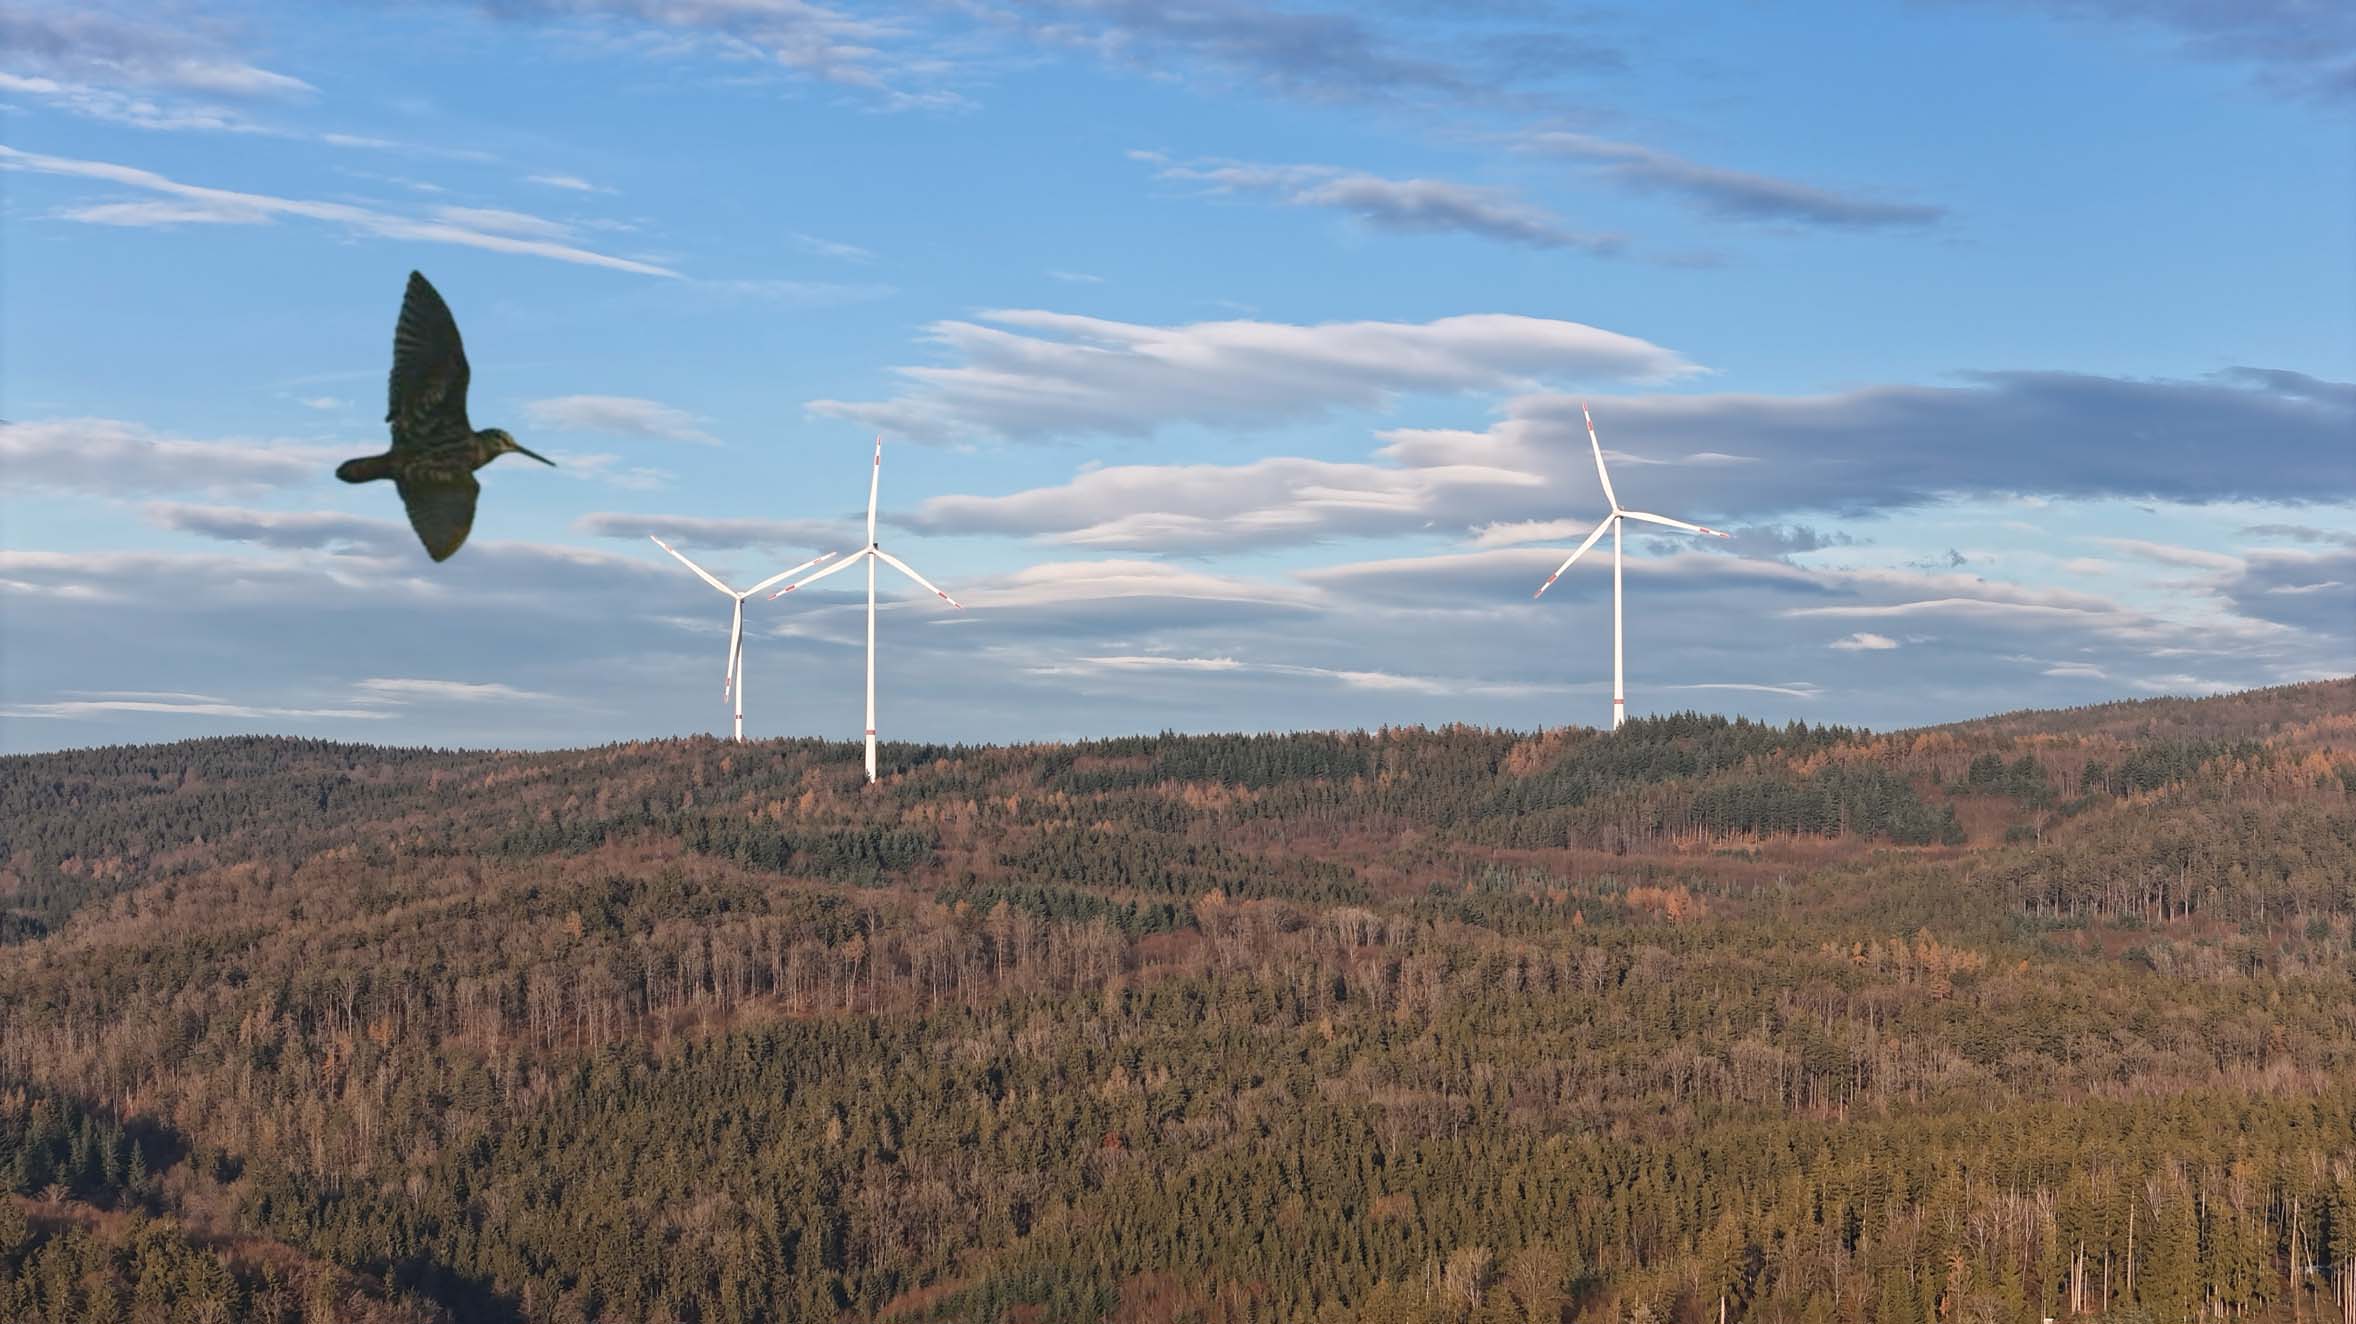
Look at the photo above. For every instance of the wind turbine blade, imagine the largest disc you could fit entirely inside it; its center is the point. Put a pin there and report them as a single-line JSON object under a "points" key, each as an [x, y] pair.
{"points": [[844, 564], [1674, 523], [1592, 538], [785, 574], [700, 572], [735, 648], [903, 567], [1600, 471], [874, 481]]}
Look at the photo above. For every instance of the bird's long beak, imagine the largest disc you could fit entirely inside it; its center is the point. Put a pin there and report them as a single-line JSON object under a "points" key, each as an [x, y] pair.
{"points": [[537, 456]]}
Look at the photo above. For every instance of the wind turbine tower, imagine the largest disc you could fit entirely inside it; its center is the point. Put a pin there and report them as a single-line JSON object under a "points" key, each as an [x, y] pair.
{"points": [[733, 681], [872, 553], [1613, 522]]}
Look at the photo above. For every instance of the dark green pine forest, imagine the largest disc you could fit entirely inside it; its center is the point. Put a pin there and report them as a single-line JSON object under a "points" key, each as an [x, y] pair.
{"points": [[2048, 1015]]}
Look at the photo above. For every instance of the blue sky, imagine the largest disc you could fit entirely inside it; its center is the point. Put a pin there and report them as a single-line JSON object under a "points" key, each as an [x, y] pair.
{"points": [[1227, 355]]}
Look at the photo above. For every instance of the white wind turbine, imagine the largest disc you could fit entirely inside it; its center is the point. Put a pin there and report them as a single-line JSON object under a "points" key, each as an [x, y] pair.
{"points": [[733, 682], [872, 553], [1612, 522]]}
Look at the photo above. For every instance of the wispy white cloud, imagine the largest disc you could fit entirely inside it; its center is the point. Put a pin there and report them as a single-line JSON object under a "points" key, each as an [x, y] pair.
{"points": [[1179, 508], [1795, 690], [1338, 53], [69, 709], [136, 110], [885, 59], [612, 470], [89, 42], [229, 206], [1863, 642], [398, 690], [111, 457], [1733, 194], [1381, 681], [619, 415], [159, 215], [1027, 374], [497, 220], [278, 528], [812, 244], [1404, 206], [571, 183], [1096, 598], [797, 293], [374, 700], [718, 531], [2300, 48], [2183, 684], [2191, 558], [1519, 532]]}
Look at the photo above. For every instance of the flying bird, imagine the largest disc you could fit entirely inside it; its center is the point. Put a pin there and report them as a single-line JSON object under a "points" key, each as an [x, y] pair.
{"points": [[435, 450]]}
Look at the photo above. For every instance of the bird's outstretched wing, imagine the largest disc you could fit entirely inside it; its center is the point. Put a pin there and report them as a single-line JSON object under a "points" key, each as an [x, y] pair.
{"points": [[426, 398], [441, 509]]}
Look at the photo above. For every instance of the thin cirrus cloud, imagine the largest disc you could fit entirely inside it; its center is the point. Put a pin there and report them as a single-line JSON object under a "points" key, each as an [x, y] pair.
{"points": [[2301, 48], [91, 44], [722, 533], [404, 689], [1028, 373], [226, 206], [2190, 558], [1337, 54], [372, 700], [1516, 533], [1729, 194], [619, 415], [138, 110], [1499, 577], [1382, 681], [1203, 508], [569, 183], [884, 58], [919, 61], [1401, 206], [279, 528], [499, 220], [828, 248], [193, 705], [1865, 641]]}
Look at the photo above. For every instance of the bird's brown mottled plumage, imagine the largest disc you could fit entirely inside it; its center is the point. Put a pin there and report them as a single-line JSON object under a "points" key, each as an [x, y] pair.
{"points": [[435, 449]]}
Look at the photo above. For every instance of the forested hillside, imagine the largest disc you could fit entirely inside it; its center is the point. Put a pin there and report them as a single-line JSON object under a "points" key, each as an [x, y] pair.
{"points": [[2052, 1014]]}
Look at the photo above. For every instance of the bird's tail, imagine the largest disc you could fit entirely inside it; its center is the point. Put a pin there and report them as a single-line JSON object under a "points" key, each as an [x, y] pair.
{"points": [[368, 468]]}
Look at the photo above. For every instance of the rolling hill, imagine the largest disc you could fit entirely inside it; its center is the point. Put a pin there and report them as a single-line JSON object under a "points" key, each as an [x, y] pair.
{"points": [[2045, 1014]]}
